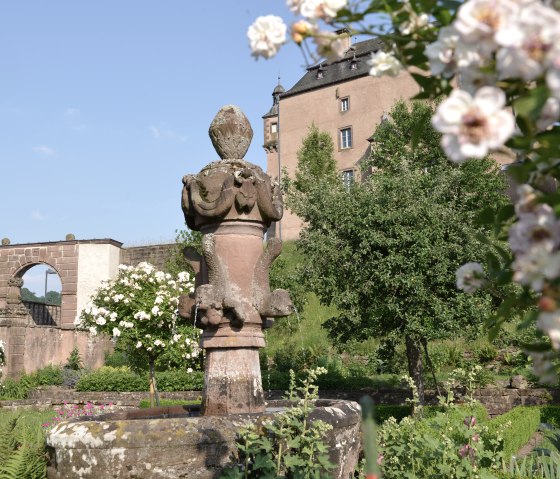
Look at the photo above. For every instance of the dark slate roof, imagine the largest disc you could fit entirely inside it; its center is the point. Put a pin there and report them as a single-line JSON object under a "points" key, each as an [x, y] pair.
{"points": [[338, 71], [272, 112]]}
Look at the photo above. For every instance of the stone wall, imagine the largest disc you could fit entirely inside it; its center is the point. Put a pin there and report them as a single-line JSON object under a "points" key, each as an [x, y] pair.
{"points": [[497, 400], [31, 347], [156, 254]]}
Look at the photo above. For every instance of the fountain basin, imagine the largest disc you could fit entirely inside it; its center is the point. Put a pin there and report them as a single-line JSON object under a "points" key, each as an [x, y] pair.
{"points": [[172, 442]]}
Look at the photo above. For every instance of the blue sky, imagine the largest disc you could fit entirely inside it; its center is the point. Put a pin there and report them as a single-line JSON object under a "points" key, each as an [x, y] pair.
{"points": [[105, 105]]}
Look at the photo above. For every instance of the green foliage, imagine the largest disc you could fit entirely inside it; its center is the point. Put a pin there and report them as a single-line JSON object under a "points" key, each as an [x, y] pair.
{"points": [[22, 445], [121, 379], [74, 361], [19, 388], [386, 251], [53, 297], [28, 295], [315, 160], [515, 428], [108, 378], [551, 415], [289, 445], [284, 274], [145, 403], [176, 261], [447, 442]]}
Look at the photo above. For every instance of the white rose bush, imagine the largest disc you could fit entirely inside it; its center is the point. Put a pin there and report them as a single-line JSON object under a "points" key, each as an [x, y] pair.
{"points": [[138, 309]]}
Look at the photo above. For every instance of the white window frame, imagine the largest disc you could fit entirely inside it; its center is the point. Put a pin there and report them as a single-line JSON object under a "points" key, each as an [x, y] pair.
{"points": [[274, 127], [345, 138], [347, 178], [344, 104]]}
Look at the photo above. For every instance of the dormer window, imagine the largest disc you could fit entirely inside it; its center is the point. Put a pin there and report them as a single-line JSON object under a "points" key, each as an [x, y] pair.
{"points": [[320, 72]]}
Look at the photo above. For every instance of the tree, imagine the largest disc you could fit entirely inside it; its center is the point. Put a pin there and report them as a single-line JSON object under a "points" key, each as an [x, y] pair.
{"points": [[28, 295], [315, 159], [386, 251], [53, 297], [138, 309]]}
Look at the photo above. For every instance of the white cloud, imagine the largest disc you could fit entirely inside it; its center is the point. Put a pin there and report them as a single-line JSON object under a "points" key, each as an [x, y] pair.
{"points": [[38, 216], [44, 150], [165, 134]]}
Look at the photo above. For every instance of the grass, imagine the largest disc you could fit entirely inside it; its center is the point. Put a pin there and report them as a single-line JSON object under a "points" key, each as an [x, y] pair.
{"points": [[145, 403]]}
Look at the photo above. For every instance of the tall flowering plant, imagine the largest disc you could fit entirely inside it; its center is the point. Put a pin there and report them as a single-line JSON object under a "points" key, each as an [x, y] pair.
{"points": [[138, 308], [495, 65]]}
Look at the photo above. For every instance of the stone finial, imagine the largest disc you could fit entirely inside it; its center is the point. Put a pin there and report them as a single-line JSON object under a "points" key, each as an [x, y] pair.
{"points": [[70, 237], [5, 241], [231, 133]]}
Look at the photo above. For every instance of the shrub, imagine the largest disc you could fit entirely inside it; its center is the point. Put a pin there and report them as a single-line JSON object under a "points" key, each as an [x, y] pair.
{"points": [[383, 412], [515, 427], [18, 389], [551, 415], [180, 380], [108, 378], [123, 379], [70, 377], [74, 361]]}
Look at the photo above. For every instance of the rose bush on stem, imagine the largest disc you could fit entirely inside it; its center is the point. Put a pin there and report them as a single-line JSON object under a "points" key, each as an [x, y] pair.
{"points": [[496, 64], [138, 308]]}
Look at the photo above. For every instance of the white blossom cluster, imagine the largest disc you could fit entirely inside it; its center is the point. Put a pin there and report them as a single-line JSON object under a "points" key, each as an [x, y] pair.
{"points": [[491, 41], [139, 306], [268, 33]]}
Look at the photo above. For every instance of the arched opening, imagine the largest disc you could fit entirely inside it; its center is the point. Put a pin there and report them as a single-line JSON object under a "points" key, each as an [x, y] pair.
{"points": [[41, 293]]}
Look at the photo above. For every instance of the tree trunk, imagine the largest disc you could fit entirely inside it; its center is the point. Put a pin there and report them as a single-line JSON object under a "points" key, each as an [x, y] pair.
{"points": [[414, 356], [153, 386]]}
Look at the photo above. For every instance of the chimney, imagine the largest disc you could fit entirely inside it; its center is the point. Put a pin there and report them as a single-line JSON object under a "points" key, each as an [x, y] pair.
{"points": [[344, 34]]}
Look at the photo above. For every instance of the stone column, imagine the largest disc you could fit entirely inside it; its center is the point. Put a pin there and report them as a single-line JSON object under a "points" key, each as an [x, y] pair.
{"points": [[232, 203]]}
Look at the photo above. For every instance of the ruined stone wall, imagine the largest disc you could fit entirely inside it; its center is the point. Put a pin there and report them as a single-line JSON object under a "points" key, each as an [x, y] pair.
{"points": [[30, 347], [155, 254]]}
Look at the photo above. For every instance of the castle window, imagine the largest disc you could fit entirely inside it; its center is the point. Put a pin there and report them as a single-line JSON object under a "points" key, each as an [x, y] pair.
{"points": [[348, 178], [346, 138], [344, 104], [274, 128]]}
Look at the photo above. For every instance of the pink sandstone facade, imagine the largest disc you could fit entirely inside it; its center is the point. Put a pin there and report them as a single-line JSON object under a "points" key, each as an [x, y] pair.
{"points": [[339, 98]]}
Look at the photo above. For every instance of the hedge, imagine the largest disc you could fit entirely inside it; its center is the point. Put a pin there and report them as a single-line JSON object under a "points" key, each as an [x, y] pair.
{"points": [[524, 420], [122, 379]]}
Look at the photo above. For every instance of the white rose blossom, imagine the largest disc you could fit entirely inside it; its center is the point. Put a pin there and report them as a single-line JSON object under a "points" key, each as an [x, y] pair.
{"points": [[116, 332], [549, 323], [536, 265], [329, 45], [472, 126], [383, 63], [527, 40], [449, 54], [266, 35], [321, 9], [479, 22], [470, 277], [540, 229]]}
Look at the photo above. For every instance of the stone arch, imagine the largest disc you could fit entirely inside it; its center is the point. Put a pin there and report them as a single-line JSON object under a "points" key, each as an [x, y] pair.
{"points": [[61, 256], [41, 314]]}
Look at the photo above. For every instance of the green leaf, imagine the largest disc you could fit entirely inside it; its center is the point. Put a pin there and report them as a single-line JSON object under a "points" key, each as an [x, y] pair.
{"points": [[530, 105]]}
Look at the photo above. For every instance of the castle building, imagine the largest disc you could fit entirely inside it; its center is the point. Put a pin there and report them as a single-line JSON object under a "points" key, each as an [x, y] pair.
{"points": [[340, 98]]}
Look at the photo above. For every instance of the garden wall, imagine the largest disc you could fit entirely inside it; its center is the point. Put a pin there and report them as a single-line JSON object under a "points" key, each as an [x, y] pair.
{"points": [[30, 347], [496, 400]]}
